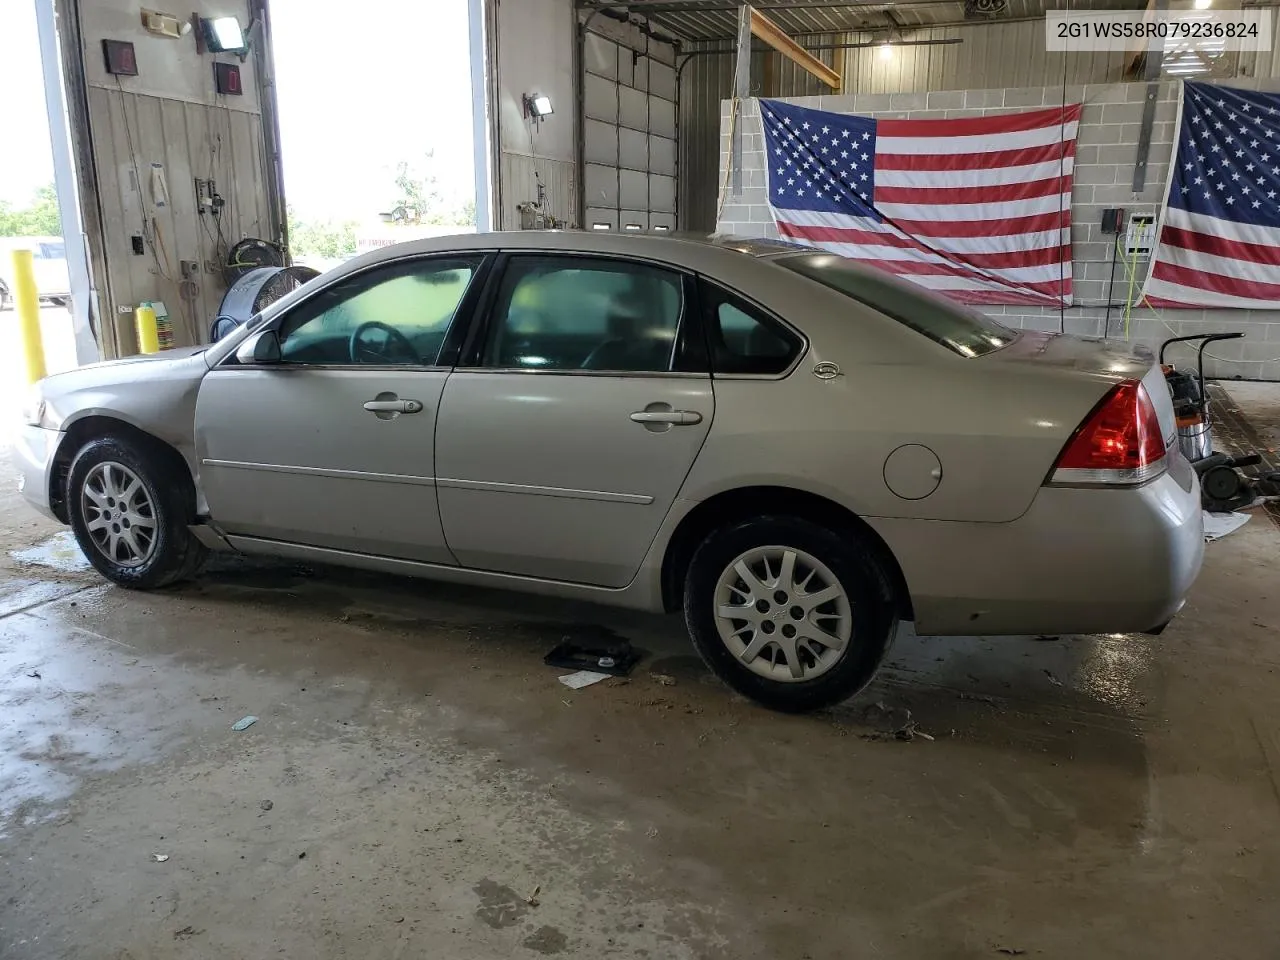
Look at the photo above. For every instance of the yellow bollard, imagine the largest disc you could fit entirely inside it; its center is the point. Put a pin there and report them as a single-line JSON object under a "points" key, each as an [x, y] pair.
{"points": [[148, 332], [27, 300]]}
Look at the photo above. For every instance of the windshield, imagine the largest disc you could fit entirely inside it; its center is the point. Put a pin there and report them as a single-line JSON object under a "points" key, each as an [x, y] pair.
{"points": [[951, 324]]}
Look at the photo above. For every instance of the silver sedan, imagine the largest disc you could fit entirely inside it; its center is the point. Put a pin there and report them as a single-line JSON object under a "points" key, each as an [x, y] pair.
{"points": [[795, 451]]}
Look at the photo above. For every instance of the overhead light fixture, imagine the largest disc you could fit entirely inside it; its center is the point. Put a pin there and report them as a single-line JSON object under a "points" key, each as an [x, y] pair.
{"points": [[601, 226], [537, 105], [633, 227], [886, 51], [223, 35], [661, 228], [1204, 4]]}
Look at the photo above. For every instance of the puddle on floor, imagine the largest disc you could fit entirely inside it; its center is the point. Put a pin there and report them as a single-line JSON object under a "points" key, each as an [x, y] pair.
{"points": [[59, 552]]}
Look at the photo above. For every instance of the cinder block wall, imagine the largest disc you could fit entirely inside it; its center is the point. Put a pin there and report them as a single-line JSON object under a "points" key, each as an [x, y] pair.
{"points": [[1105, 157]]}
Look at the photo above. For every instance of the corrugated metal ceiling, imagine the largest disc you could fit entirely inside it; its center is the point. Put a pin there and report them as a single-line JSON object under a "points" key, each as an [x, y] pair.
{"points": [[703, 20]]}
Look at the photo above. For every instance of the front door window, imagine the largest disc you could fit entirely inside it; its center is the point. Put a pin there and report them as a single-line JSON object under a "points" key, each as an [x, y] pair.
{"points": [[396, 315]]}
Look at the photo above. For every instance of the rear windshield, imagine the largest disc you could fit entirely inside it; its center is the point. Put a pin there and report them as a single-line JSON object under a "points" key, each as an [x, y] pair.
{"points": [[951, 324]]}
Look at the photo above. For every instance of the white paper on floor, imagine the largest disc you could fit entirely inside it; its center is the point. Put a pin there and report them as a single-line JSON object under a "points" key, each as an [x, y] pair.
{"points": [[1218, 525], [583, 678]]}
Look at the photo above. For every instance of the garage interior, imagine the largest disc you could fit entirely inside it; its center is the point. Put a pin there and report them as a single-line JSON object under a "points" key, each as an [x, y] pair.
{"points": [[416, 782]]}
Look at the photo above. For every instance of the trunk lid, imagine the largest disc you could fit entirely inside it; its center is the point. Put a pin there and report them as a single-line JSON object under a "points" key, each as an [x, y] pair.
{"points": [[1107, 362]]}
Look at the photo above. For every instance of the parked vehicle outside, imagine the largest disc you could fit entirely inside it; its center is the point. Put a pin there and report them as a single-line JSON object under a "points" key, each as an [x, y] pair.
{"points": [[48, 263], [796, 452]]}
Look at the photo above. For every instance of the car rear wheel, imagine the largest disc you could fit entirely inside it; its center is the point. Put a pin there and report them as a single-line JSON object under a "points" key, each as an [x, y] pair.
{"points": [[789, 613], [129, 509]]}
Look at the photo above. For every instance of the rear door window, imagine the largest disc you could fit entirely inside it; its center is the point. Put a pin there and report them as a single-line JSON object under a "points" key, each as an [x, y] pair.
{"points": [[583, 313]]}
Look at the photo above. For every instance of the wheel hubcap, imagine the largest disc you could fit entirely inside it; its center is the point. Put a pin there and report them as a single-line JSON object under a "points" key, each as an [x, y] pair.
{"points": [[783, 614], [118, 514]]}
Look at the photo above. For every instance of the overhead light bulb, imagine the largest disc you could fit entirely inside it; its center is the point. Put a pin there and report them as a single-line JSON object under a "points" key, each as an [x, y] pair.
{"points": [[886, 50], [1204, 4]]}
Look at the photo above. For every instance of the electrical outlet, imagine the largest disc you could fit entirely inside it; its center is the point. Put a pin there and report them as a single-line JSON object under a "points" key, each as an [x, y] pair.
{"points": [[204, 196], [210, 267], [189, 268]]}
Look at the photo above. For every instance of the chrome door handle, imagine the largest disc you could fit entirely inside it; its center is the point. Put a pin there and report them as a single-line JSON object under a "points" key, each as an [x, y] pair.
{"points": [[393, 406], [679, 418]]}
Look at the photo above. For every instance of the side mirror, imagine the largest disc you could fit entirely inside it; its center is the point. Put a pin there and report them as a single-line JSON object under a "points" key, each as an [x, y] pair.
{"points": [[261, 347]]}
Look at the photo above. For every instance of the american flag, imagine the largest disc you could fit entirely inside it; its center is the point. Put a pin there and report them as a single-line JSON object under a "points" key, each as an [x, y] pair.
{"points": [[977, 208], [1220, 240]]}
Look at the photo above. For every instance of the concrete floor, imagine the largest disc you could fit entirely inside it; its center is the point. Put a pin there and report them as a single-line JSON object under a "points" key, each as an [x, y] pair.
{"points": [[434, 792]]}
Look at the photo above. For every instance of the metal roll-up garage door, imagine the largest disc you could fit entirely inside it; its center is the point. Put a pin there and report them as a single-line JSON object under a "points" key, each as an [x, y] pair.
{"points": [[629, 134]]}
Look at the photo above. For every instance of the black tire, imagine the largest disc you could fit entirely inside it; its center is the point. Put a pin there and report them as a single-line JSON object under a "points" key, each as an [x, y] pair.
{"points": [[175, 554], [872, 611]]}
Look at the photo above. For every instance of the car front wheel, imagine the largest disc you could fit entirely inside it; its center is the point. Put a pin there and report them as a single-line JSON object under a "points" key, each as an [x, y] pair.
{"points": [[789, 613], [129, 509]]}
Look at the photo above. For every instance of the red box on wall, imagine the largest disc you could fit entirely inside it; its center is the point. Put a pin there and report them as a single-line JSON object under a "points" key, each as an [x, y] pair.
{"points": [[226, 79], [120, 58]]}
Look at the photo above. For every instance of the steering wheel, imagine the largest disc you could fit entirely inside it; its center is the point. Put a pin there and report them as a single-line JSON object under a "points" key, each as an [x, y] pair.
{"points": [[603, 351], [371, 352]]}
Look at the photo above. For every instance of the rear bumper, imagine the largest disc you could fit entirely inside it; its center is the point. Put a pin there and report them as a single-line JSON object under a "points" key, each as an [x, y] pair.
{"points": [[1078, 561], [33, 451]]}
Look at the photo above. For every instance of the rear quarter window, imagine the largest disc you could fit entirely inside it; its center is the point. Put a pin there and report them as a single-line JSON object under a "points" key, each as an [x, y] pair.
{"points": [[743, 340], [955, 326]]}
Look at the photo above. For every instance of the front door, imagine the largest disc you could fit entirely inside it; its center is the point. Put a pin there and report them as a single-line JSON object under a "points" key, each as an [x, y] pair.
{"points": [[566, 434], [334, 445]]}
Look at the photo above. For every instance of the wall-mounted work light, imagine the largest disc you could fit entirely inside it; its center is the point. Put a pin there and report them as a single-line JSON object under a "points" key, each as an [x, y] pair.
{"points": [[223, 35], [537, 105]]}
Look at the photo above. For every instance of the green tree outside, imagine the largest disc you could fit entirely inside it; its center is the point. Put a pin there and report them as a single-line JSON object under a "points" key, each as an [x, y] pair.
{"points": [[39, 218], [327, 239]]}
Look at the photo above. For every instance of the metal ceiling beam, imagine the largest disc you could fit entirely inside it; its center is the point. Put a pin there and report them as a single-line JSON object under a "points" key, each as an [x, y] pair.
{"points": [[853, 45], [765, 29], [725, 51]]}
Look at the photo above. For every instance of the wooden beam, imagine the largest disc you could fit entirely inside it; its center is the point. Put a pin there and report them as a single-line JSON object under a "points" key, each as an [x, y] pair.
{"points": [[772, 34]]}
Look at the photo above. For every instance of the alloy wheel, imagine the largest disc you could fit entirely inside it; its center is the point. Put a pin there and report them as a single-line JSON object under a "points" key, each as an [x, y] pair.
{"points": [[118, 514], [783, 614]]}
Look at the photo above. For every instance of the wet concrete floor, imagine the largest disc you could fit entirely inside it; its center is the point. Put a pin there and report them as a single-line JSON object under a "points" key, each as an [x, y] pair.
{"points": [[418, 784]]}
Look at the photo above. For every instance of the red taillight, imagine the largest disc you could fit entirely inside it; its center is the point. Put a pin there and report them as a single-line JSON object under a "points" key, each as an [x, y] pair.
{"points": [[1120, 441]]}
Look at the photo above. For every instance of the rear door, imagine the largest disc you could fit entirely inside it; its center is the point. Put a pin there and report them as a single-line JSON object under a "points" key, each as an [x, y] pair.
{"points": [[567, 431]]}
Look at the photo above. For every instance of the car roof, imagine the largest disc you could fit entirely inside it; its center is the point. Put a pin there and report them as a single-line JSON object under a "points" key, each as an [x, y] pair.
{"points": [[676, 247]]}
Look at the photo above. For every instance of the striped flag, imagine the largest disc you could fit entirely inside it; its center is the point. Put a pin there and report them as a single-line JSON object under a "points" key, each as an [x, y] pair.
{"points": [[1220, 239], [976, 208]]}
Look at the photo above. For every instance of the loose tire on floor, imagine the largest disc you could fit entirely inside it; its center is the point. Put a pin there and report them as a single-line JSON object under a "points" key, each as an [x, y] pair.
{"points": [[129, 508], [788, 613]]}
